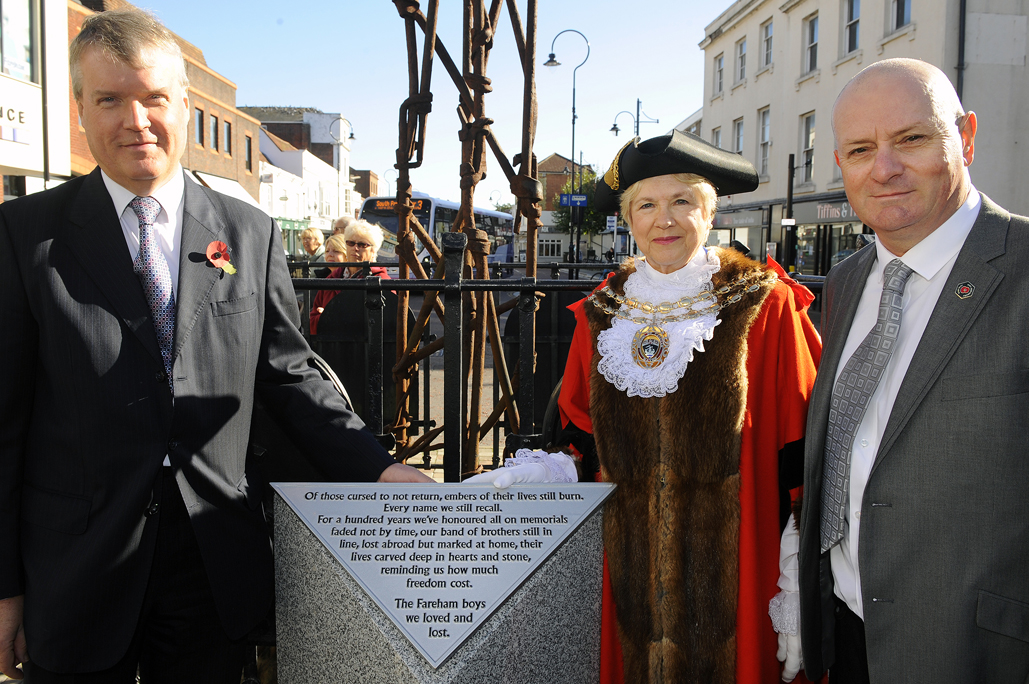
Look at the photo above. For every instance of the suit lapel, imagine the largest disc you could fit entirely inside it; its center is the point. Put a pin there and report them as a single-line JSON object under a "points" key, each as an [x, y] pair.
{"points": [[952, 317], [96, 240], [837, 329], [846, 293], [201, 224]]}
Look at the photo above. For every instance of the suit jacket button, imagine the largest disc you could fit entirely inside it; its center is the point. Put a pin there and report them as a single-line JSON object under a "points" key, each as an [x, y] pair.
{"points": [[172, 445], [151, 509], [159, 376]]}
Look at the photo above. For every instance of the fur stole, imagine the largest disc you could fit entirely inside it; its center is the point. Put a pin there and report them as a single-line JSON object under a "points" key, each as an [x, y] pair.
{"points": [[671, 529]]}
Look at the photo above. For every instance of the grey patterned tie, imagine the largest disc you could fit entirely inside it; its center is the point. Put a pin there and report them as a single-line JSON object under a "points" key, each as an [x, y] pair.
{"points": [[152, 269], [850, 397]]}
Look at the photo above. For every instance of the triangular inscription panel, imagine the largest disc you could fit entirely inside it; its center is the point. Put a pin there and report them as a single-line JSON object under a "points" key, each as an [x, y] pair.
{"points": [[440, 559]]}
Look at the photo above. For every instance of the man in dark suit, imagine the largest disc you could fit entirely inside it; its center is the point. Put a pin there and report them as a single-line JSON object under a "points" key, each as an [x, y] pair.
{"points": [[141, 313], [914, 532]]}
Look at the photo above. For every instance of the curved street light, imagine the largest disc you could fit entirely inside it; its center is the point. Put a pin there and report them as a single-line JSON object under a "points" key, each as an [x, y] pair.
{"points": [[338, 142], [635, 120], [552, 62], [389, 185]]}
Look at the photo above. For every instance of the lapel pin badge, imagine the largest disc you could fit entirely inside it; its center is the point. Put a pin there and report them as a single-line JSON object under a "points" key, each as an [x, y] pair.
{"points": [[964, 290]]}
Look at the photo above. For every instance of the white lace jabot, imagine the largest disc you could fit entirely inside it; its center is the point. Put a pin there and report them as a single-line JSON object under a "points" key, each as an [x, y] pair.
{"points": [[648, 285]]}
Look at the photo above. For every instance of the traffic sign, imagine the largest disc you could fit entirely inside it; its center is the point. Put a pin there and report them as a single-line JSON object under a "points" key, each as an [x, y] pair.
{"points": [[566, 199], [612, 222], [579, 200]]}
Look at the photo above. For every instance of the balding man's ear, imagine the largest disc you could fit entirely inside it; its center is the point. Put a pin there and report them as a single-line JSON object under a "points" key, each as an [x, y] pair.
{"points": [[967, 127]]}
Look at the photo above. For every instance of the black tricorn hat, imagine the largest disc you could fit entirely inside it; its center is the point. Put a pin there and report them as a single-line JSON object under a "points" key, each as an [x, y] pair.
{"points": [[676, 152]]}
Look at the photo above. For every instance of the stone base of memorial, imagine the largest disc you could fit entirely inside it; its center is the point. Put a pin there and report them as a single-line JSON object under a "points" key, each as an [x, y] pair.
{"points": [[380, 583]]}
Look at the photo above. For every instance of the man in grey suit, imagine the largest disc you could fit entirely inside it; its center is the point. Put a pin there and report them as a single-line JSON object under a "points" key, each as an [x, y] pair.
{"points": [[914, 532], [141, 313]]}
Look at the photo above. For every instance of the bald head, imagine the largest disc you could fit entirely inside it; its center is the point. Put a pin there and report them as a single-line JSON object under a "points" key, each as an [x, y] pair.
{"points": [[920, 77], [903, 145]]}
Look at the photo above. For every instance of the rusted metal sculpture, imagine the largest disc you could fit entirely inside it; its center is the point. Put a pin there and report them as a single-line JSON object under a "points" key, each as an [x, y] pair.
{"points": [[481, 319]]}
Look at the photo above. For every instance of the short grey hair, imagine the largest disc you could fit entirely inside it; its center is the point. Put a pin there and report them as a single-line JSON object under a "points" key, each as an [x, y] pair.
{"points": [[128, 36], [361, 229]]}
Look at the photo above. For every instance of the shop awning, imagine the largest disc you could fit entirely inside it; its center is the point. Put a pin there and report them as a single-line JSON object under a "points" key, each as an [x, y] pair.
{"points": [[226, 186]]}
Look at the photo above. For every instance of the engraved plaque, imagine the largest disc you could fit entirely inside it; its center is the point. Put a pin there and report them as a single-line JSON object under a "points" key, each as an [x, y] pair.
{"points": [[440, 559]]}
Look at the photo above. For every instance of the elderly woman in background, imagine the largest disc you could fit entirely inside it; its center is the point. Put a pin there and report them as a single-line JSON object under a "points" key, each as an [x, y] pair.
{"points": [[359, 242], [686, 384], [312, 239]]}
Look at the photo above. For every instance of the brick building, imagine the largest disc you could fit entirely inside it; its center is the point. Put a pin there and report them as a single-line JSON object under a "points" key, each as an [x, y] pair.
{"points": [[553, 174], [366, 183]]}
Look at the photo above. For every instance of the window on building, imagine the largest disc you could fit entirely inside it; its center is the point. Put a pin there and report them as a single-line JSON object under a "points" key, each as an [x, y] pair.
{"points": [[14, 187], [719, 69], [807, 154], [716, 137], [741, 60], [851, 17], [766, 43], [737, 136], [811, 43], [900, 14], [549, 247], [198, 126], [694, 129], [248, 154], [214, 132], [16, 39], [764, 118], [227, 137]]}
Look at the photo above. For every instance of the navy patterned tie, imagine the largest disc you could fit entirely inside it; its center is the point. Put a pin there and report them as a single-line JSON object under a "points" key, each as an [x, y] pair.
{"points": [[152, 269], [850, 398]]}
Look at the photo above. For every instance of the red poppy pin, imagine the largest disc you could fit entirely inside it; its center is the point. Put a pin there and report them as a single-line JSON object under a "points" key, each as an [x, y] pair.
{"points": [[218, 255]]}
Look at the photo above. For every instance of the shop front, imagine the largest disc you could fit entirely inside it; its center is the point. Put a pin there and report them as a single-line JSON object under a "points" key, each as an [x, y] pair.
{"points": [[827, 232], [748, 226]]}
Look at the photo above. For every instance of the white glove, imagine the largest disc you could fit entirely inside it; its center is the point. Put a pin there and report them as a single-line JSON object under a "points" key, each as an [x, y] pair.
{"points": [[784, 608], [530, 466], [790, 656]]}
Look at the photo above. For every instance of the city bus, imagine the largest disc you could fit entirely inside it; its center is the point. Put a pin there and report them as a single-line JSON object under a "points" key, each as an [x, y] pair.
{"points": [[437, 217]]}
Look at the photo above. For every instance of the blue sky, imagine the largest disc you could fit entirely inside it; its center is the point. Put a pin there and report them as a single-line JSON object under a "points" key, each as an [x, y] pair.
{"points": [[349, 56]]}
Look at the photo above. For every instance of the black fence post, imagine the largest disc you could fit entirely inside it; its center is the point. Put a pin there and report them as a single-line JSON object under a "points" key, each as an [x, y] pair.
{"points": [[527, 437], [453, 356], [374, 304]]}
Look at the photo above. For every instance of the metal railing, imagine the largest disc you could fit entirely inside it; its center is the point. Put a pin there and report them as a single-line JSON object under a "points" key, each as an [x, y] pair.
{"points": [[452, 287]]}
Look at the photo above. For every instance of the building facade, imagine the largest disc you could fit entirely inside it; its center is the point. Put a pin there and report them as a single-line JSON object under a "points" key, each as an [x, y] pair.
{"points": [[223, 141], [305, 196], [34, 90], [773, 70], [366, 184], [327, 137], [552, 245]]}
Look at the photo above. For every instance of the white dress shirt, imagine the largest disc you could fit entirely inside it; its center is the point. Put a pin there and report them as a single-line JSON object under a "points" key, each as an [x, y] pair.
{"points": [[932, 260], [168, 226]]}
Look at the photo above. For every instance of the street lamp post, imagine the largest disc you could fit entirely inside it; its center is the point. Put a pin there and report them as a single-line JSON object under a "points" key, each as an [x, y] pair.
{"points": [[635, 120], [339, 157], [552, 62], [389, 185]]}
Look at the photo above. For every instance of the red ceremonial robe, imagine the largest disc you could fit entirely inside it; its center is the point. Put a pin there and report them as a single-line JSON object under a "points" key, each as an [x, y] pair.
{"points": [[783, 354]]}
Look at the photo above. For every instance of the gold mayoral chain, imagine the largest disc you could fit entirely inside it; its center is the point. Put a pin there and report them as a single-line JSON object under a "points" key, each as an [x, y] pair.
{"points": [[650, 343]]}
